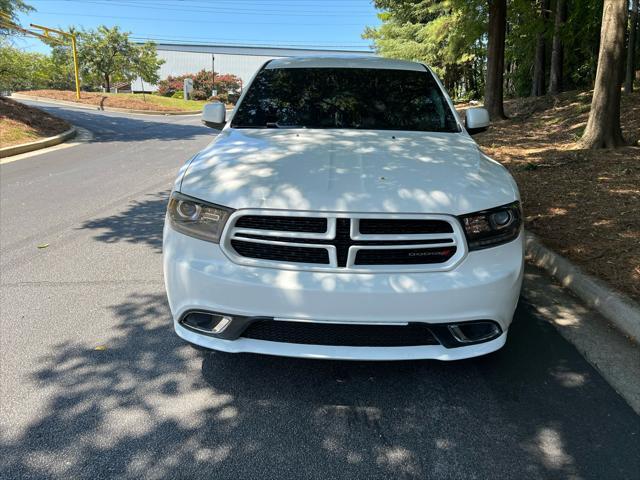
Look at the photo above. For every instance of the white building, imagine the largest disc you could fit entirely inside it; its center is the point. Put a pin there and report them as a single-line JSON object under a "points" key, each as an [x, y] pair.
{"points": [[240, 61]]}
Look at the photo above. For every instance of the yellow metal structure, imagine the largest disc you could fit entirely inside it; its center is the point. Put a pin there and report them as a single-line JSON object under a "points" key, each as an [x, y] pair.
{"points": [[47, 34], [6, 22]]}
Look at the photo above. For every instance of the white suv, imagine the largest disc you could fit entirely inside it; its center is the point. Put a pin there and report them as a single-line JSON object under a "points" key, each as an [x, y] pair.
{"points": [[344, 212]]}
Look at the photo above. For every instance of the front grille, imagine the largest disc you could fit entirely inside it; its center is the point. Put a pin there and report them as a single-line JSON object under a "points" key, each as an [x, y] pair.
{"points": [[392, 226], [404, 256], [284, 253], [343, 335], [325, 241], [283, 224]]}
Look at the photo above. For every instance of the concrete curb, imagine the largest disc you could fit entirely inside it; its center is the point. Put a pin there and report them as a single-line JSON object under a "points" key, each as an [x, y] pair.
{"points": [[87, 106], [38, 144], [619, 309]]}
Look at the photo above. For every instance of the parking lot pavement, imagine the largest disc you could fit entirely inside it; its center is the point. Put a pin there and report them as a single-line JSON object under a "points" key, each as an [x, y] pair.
{"points": [[96, 385]]}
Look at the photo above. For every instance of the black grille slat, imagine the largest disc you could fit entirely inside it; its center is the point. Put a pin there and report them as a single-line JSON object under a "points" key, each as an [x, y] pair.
{"points": [[283, 224], [381, 226], [308, 333], [319, 241], [281, 253], [404, 256]]}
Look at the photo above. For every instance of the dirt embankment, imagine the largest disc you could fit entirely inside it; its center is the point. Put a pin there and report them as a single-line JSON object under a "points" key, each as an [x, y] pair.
{"points": [[22, 124], [584, 204]]}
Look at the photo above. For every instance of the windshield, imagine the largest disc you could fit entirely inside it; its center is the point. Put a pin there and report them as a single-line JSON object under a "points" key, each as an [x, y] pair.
{"points": [[376, 99]]}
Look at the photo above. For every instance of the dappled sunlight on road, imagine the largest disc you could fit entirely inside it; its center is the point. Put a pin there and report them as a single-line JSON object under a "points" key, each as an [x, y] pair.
{"points": [[148, 406]]}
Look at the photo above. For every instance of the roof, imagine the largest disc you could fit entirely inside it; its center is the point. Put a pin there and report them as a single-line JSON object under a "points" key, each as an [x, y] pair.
{"points": [[269, 51], [344, 61]]}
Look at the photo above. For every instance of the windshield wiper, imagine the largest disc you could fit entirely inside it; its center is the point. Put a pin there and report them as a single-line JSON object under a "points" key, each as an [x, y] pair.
{"points": [[279, 125]]}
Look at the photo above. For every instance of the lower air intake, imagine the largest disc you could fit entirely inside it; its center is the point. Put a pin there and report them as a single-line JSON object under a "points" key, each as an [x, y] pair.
{"points": [[341, 334]]}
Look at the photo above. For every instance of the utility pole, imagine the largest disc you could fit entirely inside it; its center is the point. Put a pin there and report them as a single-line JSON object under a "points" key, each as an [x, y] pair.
{"points": [[213, 76]]}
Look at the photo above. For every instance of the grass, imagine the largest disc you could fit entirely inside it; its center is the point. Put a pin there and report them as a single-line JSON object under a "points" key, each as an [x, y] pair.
{"points": [[22, 124], [173, 103], [585, 204], [123, 100]]}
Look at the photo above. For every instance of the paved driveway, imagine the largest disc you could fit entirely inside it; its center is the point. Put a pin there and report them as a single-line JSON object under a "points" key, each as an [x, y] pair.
{"points": [[96, 385]]}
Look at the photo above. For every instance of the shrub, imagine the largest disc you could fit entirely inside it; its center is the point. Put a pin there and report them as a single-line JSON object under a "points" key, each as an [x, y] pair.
{"points": [[199, 95], [170, 85], [202, 84], [221, 97]]}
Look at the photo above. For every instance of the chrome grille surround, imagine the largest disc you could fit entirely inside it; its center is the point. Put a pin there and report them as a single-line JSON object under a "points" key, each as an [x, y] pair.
{"points": [[454, 239]]}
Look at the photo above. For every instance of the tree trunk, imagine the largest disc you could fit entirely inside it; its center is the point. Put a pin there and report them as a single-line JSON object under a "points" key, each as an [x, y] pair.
{"points": [[472, 87], [631, 49], [493, 89], [537, 86], [557, 49], [539, 77], [107, 82], [603, 128]]}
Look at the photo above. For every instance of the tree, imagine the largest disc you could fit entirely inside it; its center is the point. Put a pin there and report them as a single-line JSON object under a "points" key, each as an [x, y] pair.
{"points": [[146, 62], [446, 35], [631, 49], [493, 89], [107, 55], [11, 8], [603, 127], [12, 66], [23, 70], [61, 75], [539, 77], [557, 48]]}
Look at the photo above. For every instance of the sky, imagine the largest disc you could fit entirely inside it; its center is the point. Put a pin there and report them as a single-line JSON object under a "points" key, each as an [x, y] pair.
{"points": [[327, 24]]}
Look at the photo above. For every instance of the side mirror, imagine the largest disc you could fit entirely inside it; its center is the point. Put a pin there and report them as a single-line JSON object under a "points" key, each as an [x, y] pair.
{"points": [[476, 120], [214, 115]]}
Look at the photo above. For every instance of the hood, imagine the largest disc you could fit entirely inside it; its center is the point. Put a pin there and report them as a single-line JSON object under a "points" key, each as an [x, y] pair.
{"points": [[348, 171]]}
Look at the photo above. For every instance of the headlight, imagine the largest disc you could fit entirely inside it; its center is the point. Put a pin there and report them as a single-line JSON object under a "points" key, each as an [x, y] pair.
{"points": [[196, 218], [489, 228]]}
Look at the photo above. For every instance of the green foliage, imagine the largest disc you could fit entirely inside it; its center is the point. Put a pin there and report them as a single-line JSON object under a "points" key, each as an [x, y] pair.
{"points": [[580, 36], [11, 8], [447, 35], [146, 62], [61, 75], [582, 41], [107, 55], [451, 36], [225, 84], [22, 70]]}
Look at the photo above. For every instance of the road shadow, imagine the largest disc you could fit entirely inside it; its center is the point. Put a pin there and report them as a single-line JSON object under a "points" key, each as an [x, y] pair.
{"points": [[116, 127], [140, 222], [145, 405]]}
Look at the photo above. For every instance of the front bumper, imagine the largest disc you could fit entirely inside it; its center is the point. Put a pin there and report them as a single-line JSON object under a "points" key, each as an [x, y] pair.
{"points": [[485, 285]]}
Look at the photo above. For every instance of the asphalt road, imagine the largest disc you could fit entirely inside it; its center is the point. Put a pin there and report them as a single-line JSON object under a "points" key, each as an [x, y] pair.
{"points": [[94, 383]]}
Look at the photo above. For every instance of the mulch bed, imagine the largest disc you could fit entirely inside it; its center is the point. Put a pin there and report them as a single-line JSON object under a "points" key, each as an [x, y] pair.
{"points": [[21, 124], [99, 99], [584, 204]]}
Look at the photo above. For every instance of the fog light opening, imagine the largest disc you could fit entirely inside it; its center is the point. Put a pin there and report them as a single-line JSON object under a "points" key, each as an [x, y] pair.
{"points": [[473, 332], [207, 322]]}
